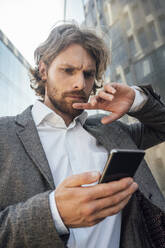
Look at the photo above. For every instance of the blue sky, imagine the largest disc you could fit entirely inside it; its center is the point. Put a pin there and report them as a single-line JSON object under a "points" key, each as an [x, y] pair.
{"points": [[27, 22]]}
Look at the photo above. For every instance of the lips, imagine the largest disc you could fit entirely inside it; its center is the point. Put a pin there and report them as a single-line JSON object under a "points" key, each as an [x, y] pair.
{"points": [[77, 98]]}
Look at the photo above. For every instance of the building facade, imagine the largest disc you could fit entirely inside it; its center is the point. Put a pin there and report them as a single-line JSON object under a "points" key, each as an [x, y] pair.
{"points": [[15, 93], [134, 31]]}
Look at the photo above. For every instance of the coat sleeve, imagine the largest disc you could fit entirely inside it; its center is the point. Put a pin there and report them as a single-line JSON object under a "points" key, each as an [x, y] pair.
{"points": [[150, 130], [29, 224]]}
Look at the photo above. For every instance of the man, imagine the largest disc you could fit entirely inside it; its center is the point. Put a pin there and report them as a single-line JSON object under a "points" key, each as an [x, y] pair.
{"points": [[51, 155]]}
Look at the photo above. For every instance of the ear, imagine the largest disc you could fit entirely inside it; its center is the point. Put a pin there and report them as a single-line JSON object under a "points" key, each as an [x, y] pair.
{"points": [[43, 70]]}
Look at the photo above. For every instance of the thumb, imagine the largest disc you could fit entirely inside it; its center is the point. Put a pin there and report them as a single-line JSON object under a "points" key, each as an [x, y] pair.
{"points": [[80, 179]]}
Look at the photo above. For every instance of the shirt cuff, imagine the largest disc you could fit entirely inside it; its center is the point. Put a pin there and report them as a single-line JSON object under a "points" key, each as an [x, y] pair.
{"points": [[140, 99], [61, 228]]}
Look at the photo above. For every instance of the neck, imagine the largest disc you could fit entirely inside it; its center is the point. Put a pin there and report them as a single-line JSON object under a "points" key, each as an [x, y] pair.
{"points": [[66, 117]]}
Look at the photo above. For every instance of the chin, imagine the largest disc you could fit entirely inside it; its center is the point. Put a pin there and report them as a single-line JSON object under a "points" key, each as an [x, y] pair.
{"points": [[76, 112]]}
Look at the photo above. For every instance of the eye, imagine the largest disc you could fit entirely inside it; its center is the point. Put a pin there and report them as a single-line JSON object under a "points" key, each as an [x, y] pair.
{"points": [[89, 74], [69, 70]]}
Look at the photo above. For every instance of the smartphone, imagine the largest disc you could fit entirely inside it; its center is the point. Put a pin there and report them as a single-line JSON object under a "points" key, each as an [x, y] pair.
{"points": [[121, 163]]}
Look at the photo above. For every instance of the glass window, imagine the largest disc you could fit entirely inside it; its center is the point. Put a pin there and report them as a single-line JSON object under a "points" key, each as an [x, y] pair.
{"points": [[116, 35], [102, 23], [136, 14], [163, 53], [89, 19], [152, 31], [157, 4], [118, 78], [142, 38], [15, 93], [160, 58], [132, 47], [128, 76], [146, 7], [142, 69], [99, 5], [162, 24], [146, 67]]}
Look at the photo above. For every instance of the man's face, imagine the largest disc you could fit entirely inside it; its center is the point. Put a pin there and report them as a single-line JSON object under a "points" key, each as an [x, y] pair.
{"points": [[69, 79]]}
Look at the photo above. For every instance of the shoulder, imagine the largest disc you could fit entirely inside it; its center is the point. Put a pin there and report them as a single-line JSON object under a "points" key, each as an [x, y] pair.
{"points": [[6, 121], [95, 121]]}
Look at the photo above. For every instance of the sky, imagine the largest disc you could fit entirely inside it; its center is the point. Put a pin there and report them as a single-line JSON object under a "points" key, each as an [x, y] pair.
{"points": [[27, 23]]}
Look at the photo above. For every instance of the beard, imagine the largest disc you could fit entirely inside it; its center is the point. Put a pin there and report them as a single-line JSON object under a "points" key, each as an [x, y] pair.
{"points": [[63, 104]]}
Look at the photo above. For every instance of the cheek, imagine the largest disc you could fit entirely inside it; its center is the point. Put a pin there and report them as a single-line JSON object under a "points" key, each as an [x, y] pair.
{"points": [[90, 85]]}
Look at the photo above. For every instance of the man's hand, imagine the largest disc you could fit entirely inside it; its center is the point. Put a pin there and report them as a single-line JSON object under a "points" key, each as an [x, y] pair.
{"points": [[115, 98], [86, 206]]}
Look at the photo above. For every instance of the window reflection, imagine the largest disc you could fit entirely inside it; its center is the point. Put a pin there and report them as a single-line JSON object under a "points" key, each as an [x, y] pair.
{"points": [[132, 46], [142, 38], [15, 93], [142, 68], [152, 31]]}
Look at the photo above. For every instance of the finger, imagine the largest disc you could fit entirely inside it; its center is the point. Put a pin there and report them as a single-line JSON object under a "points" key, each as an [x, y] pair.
{"points": [[108, 189], [80, 179], [109, 88], [117, 198], [93, 101], [111, 210], [82, 106], [110, 118], [105, 96], [117, 86]]}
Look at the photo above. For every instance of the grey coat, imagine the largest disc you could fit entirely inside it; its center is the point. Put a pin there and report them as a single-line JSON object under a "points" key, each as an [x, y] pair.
{"points": [[26, 180]]}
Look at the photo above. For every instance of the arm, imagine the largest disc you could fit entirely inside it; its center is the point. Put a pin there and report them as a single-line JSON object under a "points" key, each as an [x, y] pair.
{"points": [[118, 99], [29, 224], [151, 129]]}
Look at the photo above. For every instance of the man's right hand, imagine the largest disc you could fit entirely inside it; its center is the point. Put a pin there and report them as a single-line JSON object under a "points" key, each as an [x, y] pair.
{"points": [[81, 206]]}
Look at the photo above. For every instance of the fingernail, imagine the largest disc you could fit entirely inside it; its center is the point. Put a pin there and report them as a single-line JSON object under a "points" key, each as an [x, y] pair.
{"points": [[130, 181], [135, 185]]}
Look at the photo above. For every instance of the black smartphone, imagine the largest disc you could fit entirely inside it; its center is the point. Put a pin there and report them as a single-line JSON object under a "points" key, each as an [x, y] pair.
{"points": [[121, 163]]}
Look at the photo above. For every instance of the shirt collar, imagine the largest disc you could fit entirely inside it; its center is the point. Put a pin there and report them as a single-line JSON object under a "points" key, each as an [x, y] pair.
{"points": [[43, 114]]}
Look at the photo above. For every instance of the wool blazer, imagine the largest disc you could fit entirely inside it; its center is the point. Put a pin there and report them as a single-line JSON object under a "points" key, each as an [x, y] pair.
{"points": [[26, 180]]}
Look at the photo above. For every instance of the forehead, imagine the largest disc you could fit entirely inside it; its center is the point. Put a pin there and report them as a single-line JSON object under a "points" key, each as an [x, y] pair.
{"points": [[75, 55]]}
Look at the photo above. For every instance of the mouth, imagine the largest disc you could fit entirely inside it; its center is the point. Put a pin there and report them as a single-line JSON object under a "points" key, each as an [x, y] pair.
{"points": [[77, 98]]}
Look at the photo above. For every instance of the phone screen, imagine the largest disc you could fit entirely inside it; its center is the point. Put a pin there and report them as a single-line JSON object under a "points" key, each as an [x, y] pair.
{"points": [[121, 163]]}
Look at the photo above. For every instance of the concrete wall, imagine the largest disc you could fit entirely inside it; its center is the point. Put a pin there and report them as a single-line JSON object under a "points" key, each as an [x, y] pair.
{"points": [[155, 158]]}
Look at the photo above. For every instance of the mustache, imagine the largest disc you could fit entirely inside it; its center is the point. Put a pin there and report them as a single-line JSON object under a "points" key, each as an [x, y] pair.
{"points": [[80, 93]]}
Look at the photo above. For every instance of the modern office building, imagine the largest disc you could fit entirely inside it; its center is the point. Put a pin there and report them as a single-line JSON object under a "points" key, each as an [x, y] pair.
{"points": [[135, 33], [15, 92], [134, 30]]}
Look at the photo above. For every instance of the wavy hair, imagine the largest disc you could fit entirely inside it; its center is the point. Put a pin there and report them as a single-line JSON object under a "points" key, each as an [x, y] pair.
{"points": [[59, 39]]}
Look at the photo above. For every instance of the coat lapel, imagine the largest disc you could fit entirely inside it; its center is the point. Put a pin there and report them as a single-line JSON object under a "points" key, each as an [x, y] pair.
{"points": [[110, 136], [27, 132]]}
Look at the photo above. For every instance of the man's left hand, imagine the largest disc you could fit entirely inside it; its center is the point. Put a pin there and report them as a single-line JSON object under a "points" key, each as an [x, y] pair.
{"points": [[115, 97]]}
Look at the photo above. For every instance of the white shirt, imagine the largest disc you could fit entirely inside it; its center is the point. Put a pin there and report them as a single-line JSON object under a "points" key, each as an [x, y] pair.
{"points": [[72, 150]]}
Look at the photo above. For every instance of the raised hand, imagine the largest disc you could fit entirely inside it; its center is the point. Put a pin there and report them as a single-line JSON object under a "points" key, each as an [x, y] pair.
{"points": [[116, 98], [86, 206]]}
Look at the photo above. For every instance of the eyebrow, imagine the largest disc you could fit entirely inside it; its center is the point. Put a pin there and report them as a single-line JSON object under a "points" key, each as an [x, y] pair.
{"points": [[78, 68]]}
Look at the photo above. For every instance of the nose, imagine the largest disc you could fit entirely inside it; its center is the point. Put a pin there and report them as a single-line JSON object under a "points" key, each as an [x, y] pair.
{"points": [[79, 83]]}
